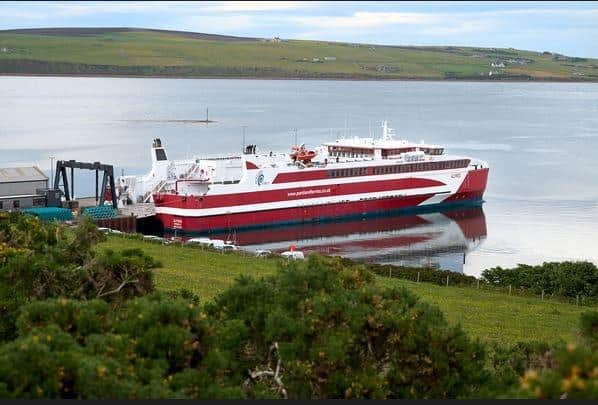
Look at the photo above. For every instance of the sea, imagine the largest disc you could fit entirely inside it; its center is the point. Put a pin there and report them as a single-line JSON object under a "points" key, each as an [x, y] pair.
{"points": [[540, 140]]}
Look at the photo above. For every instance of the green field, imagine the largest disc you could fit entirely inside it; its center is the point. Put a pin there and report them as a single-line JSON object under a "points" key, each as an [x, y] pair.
{"points": [[138, 52], [491, 316]]}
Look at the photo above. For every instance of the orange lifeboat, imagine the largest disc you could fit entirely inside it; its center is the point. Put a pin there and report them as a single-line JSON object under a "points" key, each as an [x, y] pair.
{"points": [[300, 153]]}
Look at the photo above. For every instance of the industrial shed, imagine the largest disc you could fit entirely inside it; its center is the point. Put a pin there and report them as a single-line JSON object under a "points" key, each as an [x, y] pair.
{"points": [[22, 187]]}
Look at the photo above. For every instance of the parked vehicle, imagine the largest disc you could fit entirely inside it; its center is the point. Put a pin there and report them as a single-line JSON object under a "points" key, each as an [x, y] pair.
{"points": [[293, 254], [206, 242], [262, 253], [222, 245], [228, 247]]}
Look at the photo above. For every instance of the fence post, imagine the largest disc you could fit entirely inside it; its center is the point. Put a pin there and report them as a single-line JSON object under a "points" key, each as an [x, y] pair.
{"points": [[418, 276], [447, 279], [542, 295], [577, 301], [478, 283], [509, 289], [390, 272]]}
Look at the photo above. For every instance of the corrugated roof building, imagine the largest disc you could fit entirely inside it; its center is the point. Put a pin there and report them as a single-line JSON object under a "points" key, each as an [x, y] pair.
{"points": [[19, 187]]}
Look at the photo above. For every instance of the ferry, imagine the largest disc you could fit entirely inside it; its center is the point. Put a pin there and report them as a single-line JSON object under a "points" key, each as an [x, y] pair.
{"points": [[351, 176]]}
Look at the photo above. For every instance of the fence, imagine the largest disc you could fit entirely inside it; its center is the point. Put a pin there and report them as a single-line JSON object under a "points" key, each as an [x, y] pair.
{"points": [[444, 278]]}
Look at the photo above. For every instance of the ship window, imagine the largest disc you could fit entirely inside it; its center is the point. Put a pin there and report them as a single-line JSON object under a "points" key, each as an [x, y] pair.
{"points": [[160, 154]]}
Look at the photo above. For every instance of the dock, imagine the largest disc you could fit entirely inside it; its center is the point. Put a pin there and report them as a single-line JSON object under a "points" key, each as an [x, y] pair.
{"points": [[141, 210]]}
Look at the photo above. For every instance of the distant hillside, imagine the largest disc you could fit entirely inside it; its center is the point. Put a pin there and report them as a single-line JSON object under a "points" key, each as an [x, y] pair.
{"points": [[148, 52]]}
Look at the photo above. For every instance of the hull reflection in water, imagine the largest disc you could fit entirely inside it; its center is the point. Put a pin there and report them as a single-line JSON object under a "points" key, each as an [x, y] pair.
{"points": [[438, 239]]}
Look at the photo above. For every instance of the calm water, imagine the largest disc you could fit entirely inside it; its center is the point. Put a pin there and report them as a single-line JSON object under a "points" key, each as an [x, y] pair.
{"points": [[541, 140]]}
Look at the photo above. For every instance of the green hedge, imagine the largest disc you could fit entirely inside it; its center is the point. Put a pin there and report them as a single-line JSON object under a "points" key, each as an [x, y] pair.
{"points": [[564, 279]]}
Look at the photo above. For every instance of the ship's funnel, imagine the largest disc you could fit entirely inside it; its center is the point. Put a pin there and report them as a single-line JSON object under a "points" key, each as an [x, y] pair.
{"points": [[160, 161]]}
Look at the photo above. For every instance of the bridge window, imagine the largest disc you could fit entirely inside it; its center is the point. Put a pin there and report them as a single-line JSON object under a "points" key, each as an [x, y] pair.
{"points": [[160, 154]]}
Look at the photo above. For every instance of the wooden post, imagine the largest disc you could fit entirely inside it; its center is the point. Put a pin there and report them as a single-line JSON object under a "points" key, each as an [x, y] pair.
{"points": [[478, 283], [447, 280], [577, 301], [509, 289], [418, 276], [542, 295], [390, 272]]}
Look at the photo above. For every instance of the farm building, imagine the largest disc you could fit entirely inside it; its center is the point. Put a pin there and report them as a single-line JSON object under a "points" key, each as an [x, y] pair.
{"points": [[22, 187]]}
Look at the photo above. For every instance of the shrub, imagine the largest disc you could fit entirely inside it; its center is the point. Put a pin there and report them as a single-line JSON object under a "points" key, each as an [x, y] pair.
{"points": [[565, 279], [508, 364], [334, 334], [564, 371], [311, 331], [44, 260], [574, 377], [589, 328]]}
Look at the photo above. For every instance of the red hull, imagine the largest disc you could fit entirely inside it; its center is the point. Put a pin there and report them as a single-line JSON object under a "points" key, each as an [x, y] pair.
{"points": [[472, 189], [287, 215]]}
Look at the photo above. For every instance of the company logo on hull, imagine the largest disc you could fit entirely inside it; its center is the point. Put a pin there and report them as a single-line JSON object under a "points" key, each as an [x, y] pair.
{"points": [[259, 179]]}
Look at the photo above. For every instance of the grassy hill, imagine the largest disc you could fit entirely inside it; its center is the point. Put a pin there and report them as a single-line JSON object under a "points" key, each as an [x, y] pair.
{"points": [[489, 315], [144, 52]]}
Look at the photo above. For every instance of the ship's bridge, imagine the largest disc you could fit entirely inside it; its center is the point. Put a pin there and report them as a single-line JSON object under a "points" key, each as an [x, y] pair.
{"points": [[386, 147]]}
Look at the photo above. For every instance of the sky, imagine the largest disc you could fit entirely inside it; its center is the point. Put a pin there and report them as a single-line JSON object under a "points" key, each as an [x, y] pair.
{"points": [[570, 28]]}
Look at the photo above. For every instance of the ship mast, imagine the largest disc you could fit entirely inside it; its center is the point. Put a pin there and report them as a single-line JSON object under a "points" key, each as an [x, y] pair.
{"points": [[387, 132]]}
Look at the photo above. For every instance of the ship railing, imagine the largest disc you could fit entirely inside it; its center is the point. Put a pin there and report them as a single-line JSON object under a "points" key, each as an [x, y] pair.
{"points": [[155, 189], [477, 164]]}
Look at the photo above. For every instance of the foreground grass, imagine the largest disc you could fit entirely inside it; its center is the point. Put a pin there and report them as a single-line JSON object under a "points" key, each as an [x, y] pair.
{"points": [[489, 315], [162, 53]]}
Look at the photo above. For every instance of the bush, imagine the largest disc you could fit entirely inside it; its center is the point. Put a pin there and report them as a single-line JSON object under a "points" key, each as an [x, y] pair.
{"points": [[574, 377], [565, 279], [589, 328], [425, 274], [562, 371], [311, 331], [508, 364], [337, 335], [44, 260]]}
